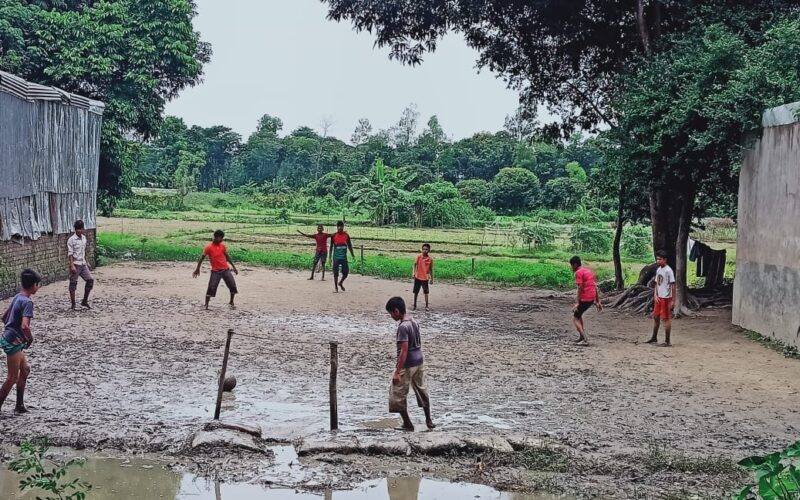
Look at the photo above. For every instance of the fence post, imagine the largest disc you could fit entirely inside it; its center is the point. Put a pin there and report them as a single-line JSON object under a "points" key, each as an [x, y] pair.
{"points": [[473, 266], [362, 254], [332, 387], [222, 375]]}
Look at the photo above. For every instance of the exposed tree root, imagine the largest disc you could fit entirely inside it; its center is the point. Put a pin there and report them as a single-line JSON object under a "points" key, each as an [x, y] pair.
{"points": [[639, 297]]}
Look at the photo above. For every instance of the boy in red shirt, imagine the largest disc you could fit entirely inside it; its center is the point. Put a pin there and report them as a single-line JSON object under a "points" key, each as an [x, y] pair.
{"points": [[221, 266], [321, 252], [588, 295], [423, 274]]}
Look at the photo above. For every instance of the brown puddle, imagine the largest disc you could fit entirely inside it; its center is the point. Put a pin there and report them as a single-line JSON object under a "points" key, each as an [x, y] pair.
{"points": [[115, 479]]}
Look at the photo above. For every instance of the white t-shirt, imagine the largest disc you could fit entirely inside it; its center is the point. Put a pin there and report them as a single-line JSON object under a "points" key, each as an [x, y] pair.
{"points": [[76, 248], [664, 280]]}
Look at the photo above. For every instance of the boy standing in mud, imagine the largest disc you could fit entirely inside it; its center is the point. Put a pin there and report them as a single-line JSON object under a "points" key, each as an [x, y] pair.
{"points": [[17, 336], [221, 266], [78, 267], [408, 370], [321, 252], [423, 274], [588, 295], [663, 299], [340, 244]]}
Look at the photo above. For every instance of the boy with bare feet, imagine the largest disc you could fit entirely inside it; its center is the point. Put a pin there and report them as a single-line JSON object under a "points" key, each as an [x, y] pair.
{"points": [[340, 244], [423, 274], [17, 336], [663, 299], [321, 252], [588, 295], [78, 267], [221, 266], [409, 370]]}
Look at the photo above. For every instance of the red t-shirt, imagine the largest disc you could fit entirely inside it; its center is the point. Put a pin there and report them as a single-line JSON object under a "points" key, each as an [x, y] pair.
{"points": [[422, 267], [322, 241], [216, 255], [585, 280]]}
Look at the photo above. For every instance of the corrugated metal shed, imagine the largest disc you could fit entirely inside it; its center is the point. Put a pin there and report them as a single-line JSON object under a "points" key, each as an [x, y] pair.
{"points": [[49, 158]]}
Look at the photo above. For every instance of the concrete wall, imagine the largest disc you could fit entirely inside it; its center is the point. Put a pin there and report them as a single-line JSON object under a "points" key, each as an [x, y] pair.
{"points": [[766, 295], [46, 255]]}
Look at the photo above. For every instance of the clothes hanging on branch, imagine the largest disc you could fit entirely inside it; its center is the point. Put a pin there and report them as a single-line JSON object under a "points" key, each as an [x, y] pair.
{"points": [[710, 263]]}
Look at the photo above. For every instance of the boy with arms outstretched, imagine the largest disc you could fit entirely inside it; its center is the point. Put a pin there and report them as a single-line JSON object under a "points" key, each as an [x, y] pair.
{"points": [[663, 299], [221, 266], [423, 274], [78, 267], [321, 252], [17, 336], [408, 370]]}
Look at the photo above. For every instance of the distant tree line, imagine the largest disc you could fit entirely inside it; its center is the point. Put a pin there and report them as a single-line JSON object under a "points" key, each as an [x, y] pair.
{"points": [[509, 172]]}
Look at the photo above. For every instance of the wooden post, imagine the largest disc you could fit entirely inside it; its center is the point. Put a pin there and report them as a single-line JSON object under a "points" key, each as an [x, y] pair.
{"points": [[473, 265], [362, 254], [332, 388], [222, 375]]}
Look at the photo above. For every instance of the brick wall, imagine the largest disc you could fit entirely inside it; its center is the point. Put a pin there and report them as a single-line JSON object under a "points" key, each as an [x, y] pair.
{"points": [[47, 256]]}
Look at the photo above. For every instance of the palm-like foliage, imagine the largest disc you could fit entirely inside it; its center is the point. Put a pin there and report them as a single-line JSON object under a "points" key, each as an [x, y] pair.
{"points": [[382, 193]]}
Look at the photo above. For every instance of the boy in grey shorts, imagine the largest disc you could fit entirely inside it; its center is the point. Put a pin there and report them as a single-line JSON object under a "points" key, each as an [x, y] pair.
{"points": [[78, 266], [409, 372]]}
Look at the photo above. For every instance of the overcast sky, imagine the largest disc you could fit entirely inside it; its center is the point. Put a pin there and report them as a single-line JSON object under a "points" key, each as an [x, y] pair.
{"points": [[282, 57]]}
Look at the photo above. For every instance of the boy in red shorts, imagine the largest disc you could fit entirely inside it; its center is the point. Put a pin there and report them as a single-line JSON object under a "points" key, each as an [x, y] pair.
{"points": [[321, 252], [663, 299]]}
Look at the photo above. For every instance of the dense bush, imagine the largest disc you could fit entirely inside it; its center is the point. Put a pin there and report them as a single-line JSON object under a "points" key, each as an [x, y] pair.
{"points": [[590, 239], [636, 241], [538, 235]]}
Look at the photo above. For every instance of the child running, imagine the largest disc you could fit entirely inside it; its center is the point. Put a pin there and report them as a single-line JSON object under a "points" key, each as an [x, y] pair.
{"points": [[340, 244], [17, 336], [221, 266], [588, 295], [78, 267], [409, 368], [423, 274], [663, 299], [321, 252]]}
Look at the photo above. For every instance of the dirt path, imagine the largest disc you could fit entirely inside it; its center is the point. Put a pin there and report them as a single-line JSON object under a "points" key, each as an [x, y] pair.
{"points": [[138, 372]]}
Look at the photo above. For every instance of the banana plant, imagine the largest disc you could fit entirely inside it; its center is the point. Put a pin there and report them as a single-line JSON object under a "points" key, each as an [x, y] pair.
{"points": [[776, 475]]}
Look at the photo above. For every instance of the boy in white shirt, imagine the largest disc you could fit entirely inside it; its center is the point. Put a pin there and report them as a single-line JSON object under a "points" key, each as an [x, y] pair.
{"points": [[664, 299], [78, 267]]}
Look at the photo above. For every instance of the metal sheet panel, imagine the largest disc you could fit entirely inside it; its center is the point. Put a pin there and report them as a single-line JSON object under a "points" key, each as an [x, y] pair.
{"points": [[49, 154]]}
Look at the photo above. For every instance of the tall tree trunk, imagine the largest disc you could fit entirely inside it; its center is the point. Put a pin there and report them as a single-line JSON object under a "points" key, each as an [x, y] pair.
{"points": [[619, 279], [641, 24], [660, 211], [686, 204]]}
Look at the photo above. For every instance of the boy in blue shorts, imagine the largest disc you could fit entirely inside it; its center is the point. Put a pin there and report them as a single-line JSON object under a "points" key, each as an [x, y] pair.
{"points": [[17, 336]]}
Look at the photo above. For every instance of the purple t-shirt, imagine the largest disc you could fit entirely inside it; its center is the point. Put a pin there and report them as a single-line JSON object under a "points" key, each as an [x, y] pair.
{"points": [[408, 331], [21, 307]]}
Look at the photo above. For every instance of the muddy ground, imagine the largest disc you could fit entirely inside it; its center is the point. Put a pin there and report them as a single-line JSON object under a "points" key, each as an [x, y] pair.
{"points": [[138, 373]]}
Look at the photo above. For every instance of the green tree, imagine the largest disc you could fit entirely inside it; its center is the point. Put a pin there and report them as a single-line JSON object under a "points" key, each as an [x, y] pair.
{"points": [[475, 191], [186, 173], [134, 55], [514, 190], [685, 114], [382, 194]]}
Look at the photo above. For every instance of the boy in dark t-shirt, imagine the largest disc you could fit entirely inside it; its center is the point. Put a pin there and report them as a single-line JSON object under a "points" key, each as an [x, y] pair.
{"points": [[17, 336], [409, 370], [321, 251], [340, 244]]}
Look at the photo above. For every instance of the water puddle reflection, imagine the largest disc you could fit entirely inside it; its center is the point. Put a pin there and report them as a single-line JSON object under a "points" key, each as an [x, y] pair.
{"points": [[115, 479]]}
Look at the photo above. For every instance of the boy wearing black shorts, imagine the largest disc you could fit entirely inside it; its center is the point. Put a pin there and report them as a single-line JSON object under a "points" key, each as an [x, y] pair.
{"points": [[588, 296], [423, 274]]}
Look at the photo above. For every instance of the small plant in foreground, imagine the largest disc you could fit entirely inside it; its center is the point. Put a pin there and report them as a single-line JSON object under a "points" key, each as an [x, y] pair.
{"points": [[776, 475], [30, 463]]}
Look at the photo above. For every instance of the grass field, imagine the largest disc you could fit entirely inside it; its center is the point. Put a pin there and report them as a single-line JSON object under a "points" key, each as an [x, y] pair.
{"points": [[492, 254], [388, 252]]}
